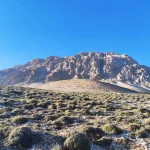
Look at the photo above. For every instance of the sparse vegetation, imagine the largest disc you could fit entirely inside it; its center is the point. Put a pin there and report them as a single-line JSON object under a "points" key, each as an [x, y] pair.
{"points": [[23, 137], [77, 141], [91, 132], [112, 129], [60, 119]]}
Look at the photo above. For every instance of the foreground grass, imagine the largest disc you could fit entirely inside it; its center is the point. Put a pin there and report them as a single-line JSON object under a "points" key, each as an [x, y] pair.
{"points": [[49, 120]]}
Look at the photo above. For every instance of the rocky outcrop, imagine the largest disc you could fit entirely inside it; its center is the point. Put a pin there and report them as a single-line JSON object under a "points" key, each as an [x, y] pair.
{"points": [[110, 67]]}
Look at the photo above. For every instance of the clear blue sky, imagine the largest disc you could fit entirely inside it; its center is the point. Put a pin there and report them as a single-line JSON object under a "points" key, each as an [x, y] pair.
{"points": [[39, 28]]}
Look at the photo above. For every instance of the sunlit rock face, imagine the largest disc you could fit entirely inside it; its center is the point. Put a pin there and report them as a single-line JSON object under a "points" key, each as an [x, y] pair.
{"points": [[110, 67]]}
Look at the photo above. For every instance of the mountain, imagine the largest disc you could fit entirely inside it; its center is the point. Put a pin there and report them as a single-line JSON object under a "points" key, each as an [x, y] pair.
{"points": [[107, 67]]}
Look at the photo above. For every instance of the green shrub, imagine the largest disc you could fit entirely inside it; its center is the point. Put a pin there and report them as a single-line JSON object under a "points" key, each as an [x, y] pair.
{"points": [[62, 121], [92, 133], [23, 137], [112, 129], [66, 120], [77, 141]]}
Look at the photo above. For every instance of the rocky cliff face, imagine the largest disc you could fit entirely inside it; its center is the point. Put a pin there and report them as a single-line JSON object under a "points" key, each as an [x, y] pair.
{"points": [[110, 67]]}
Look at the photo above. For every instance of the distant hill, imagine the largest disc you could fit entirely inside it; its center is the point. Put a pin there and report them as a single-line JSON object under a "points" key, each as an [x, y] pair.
{"points": [[80, 85], [108, 67]]}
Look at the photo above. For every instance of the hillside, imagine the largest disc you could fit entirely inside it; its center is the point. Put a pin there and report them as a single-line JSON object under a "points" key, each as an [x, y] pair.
{"points": [[81, 85], [109, 67]]}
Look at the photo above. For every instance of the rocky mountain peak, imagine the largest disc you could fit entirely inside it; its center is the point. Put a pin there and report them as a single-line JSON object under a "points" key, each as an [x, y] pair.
{"points": [[110, 67]]}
